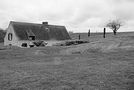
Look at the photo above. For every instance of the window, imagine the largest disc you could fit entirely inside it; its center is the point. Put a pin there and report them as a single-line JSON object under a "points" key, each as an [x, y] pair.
{"points": [[10, 36], [47, 29], [10, 44], [24, 45], [31, 37]]}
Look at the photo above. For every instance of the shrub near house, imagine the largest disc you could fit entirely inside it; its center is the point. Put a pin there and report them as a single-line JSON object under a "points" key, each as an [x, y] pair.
{"points": [[2, 35]]}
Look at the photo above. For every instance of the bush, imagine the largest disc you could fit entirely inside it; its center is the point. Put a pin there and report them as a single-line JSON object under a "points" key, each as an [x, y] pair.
{"points": [[2, 35], [69, 43], [39, 43]]}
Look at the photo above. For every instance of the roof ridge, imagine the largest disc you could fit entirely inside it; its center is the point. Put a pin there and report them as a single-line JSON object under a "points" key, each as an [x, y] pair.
{"points": [[15, 22], [57, 25]]}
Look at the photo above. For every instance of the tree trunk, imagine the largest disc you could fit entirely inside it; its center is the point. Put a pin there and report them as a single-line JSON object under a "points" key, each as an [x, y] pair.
{"points": [[114, 32]]}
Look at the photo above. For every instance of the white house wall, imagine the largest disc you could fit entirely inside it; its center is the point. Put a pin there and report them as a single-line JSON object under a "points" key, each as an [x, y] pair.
{"points": [[14, 40], [20, 42]]}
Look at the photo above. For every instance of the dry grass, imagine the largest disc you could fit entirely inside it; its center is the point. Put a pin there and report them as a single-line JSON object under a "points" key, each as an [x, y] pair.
{"points": [[49, 69]]}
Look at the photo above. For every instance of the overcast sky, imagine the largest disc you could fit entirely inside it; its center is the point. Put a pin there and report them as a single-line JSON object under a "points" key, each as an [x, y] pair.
{"points": [[76, 15]]}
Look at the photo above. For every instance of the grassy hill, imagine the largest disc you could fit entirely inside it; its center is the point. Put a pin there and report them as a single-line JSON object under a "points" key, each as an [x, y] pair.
{"points": [[100, 35], [101, 64], [97, 42]]}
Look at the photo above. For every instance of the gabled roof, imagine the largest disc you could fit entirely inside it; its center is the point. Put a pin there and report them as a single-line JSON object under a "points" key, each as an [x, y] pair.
{"points": [[40, 31]]}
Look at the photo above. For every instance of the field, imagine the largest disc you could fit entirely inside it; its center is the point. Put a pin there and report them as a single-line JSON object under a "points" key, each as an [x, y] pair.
{"points": [[101, 64]]}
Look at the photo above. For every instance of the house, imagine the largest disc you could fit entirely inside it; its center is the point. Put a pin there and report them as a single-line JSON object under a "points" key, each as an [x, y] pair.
{"points": [[23, 34]]}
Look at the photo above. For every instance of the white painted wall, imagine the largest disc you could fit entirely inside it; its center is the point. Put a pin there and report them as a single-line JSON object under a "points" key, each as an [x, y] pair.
{"points": [[14, 40]]}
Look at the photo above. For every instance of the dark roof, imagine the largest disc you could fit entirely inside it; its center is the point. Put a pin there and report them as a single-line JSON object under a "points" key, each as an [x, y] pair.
{"points": [[30, 33], [40, 31]]}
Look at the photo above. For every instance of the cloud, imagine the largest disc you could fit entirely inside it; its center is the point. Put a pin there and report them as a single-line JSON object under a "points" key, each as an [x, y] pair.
{"points": [[77, 15]]}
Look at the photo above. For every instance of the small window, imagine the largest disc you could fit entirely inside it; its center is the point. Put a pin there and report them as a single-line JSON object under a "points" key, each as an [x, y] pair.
{"points": [[10, 36], [31, 37], [24, 45], [47, 29], [10, 44]]}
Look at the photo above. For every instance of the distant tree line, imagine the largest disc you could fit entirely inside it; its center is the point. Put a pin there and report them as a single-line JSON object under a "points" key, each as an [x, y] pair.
{"points": [[2, 35]]}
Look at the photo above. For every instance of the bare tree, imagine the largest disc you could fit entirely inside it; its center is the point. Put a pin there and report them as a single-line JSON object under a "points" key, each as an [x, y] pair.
{"points": [[114, 25]]}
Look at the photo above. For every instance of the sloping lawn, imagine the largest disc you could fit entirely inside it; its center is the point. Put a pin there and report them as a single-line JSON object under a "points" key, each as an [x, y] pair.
{"points": [[102, 64], [25, 69]]}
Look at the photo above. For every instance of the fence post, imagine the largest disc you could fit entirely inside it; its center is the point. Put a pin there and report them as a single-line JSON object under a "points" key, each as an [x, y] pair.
{"points": [[89, 33], [104, 33], [79, 36]]}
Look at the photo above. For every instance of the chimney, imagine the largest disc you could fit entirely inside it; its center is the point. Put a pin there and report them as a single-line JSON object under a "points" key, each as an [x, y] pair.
{"points": [[45, 23]]}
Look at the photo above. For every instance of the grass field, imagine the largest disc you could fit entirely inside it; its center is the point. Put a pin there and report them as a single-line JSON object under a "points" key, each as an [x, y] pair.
{"points": [[102, 64]]}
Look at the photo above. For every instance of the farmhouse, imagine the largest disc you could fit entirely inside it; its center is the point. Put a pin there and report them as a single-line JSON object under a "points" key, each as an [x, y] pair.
{"points": [[24, 34]]}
